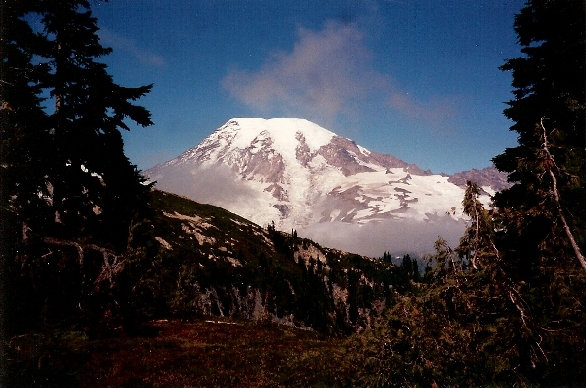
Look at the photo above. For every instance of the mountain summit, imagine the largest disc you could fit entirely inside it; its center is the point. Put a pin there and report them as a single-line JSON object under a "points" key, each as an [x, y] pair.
{"points": [[299, 175]]}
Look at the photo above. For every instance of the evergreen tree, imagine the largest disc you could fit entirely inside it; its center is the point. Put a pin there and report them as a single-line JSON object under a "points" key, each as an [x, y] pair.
{"points": [[24, 131], [23, 134], [478, 239], [65, 165], [542, 218], [547, 203], [66, 186], [95, 188]]}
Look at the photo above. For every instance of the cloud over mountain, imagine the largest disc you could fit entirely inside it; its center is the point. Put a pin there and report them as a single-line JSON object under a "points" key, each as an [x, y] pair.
{"points": [[327, 73], [323, 74]]}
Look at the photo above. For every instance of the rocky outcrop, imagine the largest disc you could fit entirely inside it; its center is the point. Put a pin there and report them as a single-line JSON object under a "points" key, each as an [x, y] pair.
{"points": [[487, 177]]}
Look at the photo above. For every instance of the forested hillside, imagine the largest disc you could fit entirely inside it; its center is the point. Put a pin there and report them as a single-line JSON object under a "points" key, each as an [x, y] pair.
{"points": [[205, 261], [190, 263]]}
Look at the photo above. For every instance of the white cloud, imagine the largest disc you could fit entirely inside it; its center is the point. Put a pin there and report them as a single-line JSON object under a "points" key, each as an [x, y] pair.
{"points": [[119, 42], [325, 73], [329, 72], [434, 111], [217, 185], [396, 236]]}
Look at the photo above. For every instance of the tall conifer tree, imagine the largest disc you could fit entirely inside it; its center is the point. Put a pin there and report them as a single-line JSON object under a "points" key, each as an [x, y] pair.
{"points": [[66, 184], [24, 135], [543, 215], [95, 185], [548, 201], [90, 186]]}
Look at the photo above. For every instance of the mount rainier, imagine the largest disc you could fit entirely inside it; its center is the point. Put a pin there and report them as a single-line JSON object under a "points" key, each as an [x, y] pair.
{"points": [[298, 175]]}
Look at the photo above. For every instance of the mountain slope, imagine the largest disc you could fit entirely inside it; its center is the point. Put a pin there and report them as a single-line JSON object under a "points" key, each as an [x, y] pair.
{"points": [[299, 175], [213, 262]]}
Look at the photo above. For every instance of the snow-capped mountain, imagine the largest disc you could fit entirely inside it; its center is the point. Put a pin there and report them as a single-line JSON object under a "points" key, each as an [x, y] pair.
{"points": [[301, 176]]}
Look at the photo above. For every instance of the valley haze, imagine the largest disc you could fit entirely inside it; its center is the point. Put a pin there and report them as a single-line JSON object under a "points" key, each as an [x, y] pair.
{"points": [[298, 175]]}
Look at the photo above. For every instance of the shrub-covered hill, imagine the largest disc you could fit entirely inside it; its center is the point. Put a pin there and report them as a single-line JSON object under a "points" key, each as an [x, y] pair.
{"points": [[202, 260]]}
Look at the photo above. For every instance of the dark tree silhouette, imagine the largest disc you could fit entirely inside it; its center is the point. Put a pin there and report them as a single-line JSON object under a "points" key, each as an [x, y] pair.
{"points": [[69, 194], [548, 201], [65, 169]]}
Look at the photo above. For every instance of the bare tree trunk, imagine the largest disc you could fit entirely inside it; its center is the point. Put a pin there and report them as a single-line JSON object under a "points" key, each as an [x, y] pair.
{"points": [[556, 196], [477, 237], [111, 264]]}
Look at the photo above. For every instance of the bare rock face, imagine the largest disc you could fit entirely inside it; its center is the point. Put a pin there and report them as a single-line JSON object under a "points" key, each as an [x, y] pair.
{"points": [[488, 176], [346, 156], [297, 174]]}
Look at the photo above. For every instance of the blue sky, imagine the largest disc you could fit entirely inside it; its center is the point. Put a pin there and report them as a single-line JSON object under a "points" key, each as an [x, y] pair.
{"points": [[417, 79]]}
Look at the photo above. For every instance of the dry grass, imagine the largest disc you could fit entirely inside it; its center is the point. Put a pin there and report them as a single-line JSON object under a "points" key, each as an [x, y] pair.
{"points": [[217, 354]]}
